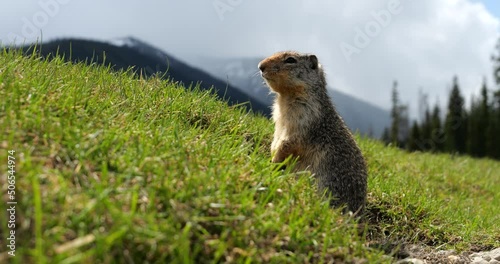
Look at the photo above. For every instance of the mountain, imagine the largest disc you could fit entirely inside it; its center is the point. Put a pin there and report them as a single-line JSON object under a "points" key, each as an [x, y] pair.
{"points": [[243, 73], [236, 80], [148, 60]]}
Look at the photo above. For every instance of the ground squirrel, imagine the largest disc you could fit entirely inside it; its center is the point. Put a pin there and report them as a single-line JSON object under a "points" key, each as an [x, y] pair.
{"points": [[308, 127]]}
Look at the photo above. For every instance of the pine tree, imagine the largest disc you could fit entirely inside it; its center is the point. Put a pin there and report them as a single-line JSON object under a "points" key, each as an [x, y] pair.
{"points": [[493, 130], [456, 121], [415, 138], [473, 129], [496, 69], [426, 129], [395, 115], [437, 134], [404, 125], [386, 136], [483, 120]]}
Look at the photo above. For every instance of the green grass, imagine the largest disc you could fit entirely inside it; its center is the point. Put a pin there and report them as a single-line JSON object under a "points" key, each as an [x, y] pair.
{"points": [[113, 168]]}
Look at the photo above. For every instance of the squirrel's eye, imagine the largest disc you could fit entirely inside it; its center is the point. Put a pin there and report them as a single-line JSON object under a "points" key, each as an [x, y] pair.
{"points": [[290, 60]]}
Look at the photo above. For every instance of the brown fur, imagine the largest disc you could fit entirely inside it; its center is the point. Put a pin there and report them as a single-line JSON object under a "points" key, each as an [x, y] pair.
{"points": [[308, 127]]}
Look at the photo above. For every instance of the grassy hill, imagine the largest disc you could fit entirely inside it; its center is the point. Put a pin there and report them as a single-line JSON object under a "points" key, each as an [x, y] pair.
{"points": [[148, 60], [112, 168]]}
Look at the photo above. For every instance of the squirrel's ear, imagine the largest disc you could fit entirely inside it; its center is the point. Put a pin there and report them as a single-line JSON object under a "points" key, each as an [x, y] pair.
{"points": [[314, 61]]}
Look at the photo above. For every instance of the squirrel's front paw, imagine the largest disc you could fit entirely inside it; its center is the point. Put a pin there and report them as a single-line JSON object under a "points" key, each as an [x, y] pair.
{"points": [[275, 159]]}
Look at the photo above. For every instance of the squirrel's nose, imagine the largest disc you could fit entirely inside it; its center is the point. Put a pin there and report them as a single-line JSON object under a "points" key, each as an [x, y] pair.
{"points": [[261, 67]]}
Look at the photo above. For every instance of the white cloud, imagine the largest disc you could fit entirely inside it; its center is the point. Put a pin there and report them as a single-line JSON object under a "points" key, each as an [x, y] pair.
{"points": [[424, 45]]}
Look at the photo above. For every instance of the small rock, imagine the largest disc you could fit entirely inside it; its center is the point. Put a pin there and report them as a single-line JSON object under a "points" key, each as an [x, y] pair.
{"points": [[495, 254], [486, 257], [410, 261], [494, 261], [454, 259], [479, 260]]}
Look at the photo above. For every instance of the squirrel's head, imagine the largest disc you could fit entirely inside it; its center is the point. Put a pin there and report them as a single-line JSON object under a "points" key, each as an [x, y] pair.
{"points": [[292, 73]]}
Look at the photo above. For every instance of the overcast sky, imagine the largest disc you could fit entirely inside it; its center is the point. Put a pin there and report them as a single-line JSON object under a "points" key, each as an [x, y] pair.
{"points": [[363, 45]]}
